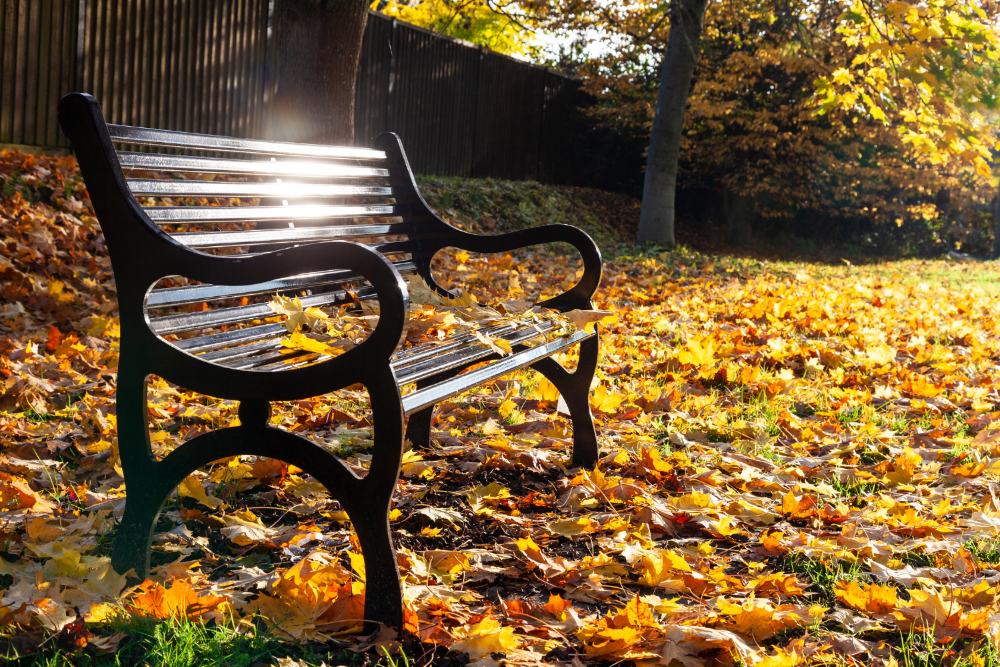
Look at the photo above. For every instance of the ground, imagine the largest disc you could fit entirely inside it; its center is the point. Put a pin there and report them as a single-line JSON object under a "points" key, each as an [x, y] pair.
{"points": [[799, 466]]}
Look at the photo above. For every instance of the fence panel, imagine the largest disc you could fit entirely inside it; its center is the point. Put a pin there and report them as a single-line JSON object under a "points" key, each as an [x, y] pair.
{"points": [[191, 65], [433, 100], [209, 66], [371, 90], [511, 96], [37, 60]]}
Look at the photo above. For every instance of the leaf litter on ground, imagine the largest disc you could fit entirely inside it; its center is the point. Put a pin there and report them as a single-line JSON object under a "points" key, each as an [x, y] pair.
{"points": [[799, 465]]}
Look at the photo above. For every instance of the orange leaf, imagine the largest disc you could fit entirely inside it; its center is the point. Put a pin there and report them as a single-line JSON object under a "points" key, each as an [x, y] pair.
{"points": [[798, 508], [872, 598], [179, 600]]}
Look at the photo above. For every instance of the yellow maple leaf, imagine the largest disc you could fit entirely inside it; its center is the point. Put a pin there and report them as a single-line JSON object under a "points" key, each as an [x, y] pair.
{"points": [[871, 598], [191, 487], [605, 400], [485, 637], [697, 353], [572, 527], [298, 317]]}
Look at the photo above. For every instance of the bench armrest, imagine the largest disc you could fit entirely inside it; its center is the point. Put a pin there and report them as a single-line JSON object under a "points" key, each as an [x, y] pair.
{"points": [[577, 297], [445, 235], [353, 366]]}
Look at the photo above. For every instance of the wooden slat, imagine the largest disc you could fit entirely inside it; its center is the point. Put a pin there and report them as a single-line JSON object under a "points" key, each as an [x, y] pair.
{"points": [[8, 46], [423, 398], [201, 165], [177, 296], [185, 188], [20, 67], [150, 137], [190, 214]]}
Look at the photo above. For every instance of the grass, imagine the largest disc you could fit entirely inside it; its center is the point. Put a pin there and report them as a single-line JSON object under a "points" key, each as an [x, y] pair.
{"points": [[822, 575], [984, 550], [853, 490], [919, 648], [175, 643]]}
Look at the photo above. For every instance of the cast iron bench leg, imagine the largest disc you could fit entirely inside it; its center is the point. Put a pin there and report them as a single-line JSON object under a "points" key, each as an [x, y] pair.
{"points": [[575, 390], [418, 427], [366, 500], [135, 533]]}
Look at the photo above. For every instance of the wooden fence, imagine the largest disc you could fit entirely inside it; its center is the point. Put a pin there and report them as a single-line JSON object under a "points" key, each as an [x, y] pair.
{"points": [[205, 66]]}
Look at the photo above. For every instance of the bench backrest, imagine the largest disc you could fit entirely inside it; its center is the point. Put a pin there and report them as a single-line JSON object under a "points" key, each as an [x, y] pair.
{"points": [[265, 195], [225, 195]]}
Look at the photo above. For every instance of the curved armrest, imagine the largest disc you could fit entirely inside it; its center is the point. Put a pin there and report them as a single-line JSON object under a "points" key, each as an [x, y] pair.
{"points": [[353, 366], [578, 296]]}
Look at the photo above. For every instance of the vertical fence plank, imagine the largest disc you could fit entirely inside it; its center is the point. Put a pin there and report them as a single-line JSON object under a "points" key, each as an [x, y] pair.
{"points": [[20, 67]]}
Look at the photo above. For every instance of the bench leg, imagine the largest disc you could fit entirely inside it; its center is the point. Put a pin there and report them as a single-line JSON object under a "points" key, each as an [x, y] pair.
{"points": [[575, 390], [133, 538], [418, 428], [369, 509], [144, 499], [150, 482], [383, 589]]}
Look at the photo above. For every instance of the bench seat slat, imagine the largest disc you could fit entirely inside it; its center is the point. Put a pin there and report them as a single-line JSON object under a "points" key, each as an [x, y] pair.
{"points": [[204, 165], [169, 324], [193, 214], [239, 356], [464, 355], [224, 339], [268, 236], [407, 358], [185, 188], [179, 296], [142, 136], [423, 398]]}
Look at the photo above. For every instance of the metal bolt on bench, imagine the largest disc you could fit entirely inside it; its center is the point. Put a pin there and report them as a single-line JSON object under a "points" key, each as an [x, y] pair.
{"points": [[309, 235]]}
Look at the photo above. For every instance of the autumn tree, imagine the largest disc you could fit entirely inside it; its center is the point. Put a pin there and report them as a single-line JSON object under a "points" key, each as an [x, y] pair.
{"points": [[779, 111], [504, 26]]}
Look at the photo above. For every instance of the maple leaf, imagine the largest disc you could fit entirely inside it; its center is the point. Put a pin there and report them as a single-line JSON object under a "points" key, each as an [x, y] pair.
{"points": [[297, 316], [871, 598], [485, 637], [798, 508], [192, 487], [697, 353], [180, 599]]}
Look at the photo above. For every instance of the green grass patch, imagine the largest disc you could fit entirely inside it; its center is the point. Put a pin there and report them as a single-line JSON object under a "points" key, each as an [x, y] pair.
{"points": [[175, 642]]}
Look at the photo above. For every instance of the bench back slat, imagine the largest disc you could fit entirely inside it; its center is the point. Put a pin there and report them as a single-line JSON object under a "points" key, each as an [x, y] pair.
{"points": [[141, 136], [171, 297], [181, 322], [194, 214], [206, 165], [183, 188], [295, 235]]}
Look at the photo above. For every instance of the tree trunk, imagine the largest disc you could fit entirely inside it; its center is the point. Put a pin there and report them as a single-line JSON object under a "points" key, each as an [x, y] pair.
{"points": [[656, 223], [318, 47]]}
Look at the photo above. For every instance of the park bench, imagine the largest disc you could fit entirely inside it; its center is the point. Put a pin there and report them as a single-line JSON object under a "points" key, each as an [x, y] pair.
{"points": [[334, 226]]}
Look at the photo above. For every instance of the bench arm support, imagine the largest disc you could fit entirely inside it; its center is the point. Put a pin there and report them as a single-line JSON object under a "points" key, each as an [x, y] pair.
{"points": [[348, 368], [577, 297]]}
